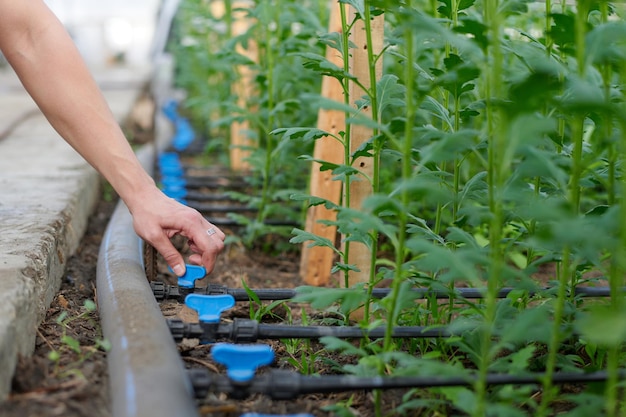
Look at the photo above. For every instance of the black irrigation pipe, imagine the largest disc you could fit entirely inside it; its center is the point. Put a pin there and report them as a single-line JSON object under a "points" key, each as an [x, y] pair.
{"points": [[226, 222], [286, 385], [213, 208], [163, 291], [248, 331], [213, 183], [199, 196]]}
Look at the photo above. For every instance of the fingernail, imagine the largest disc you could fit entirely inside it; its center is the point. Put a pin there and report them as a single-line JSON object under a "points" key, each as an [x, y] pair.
{"points": [[179, 270]]}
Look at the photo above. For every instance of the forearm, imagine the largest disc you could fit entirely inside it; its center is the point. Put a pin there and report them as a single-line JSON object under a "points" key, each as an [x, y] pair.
{"points": [[53, 72]]}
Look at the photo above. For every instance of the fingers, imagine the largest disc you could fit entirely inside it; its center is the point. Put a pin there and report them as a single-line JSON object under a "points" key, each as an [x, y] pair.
{"points": [[173, 258], [206, 244]]}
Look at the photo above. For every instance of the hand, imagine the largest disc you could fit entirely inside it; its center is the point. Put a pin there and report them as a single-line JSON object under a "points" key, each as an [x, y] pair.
{"points": [[158, 218]]}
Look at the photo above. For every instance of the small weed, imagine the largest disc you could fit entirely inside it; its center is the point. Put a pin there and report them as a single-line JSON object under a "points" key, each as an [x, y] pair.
{"points": [[70, 344]]}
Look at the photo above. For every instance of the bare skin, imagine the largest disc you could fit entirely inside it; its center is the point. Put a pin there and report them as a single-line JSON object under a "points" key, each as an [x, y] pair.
{"points": [[43, 55]]}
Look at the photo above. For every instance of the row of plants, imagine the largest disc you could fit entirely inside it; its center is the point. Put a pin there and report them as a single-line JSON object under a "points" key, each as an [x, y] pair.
{"points": [[498, 135]]}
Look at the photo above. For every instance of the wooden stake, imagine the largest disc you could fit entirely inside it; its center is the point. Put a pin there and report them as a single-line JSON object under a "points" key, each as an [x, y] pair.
{"points": [[360, 254], [240, 141], [316, 262]]}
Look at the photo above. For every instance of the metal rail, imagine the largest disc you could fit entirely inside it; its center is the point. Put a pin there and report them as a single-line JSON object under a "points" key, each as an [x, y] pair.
{"points": [[146, 374]]}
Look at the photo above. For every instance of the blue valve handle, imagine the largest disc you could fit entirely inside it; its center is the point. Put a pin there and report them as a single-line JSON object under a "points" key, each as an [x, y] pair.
{"points": [[173, 181], [192, 273], [170, 109], [169, 157], [172, 170], [209, 307], [242, 361]]}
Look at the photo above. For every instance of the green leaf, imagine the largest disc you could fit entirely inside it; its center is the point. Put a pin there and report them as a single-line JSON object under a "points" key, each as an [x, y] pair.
{"points": [[465, 4], [603, 44], [54, 356], [323, 66], [449, 146], [389, 93], [604, 326], [456, 79], [358, 6], [302, 236], [460, 265], [332, 40], [89, 305], [306, 133], [343, 346], [320, 298], [476, 29], [436, 109], [314, 201], [71, 343]]}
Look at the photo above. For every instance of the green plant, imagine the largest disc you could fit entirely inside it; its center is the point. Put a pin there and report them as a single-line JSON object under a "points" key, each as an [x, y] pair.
{"points": [[301, 355], [498, 136], [69, 343], [259, 310]]}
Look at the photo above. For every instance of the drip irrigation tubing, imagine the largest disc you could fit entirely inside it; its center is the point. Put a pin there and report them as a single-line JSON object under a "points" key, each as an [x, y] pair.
{"points": [[163, 291], [248, 331], [226, 222], [213, 208], [201, 197], [213, 183], [286, 385], [146, 374]]}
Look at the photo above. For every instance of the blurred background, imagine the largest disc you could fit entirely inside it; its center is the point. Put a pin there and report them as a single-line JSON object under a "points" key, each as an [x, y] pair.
{"points": [[111, 32]]}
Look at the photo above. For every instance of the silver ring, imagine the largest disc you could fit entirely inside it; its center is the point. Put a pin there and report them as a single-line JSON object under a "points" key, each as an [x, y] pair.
{"points": [[211, 231]]}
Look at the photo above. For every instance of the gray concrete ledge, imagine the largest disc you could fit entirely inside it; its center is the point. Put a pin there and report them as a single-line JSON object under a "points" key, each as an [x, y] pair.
{"points": [[47, 192]]}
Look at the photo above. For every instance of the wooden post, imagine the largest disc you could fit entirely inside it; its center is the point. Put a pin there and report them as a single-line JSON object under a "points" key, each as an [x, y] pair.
{"points": [[360, 254], [316, 262], [243, 89]]}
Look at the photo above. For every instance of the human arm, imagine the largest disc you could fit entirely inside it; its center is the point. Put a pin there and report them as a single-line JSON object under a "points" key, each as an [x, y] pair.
{"points": [[44, 57]]}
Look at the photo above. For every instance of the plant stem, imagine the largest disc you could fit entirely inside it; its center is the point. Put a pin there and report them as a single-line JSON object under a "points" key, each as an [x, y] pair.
{"points": [[566, 272], [345, 45], [406, 150], [616, 281], [269, 144], [497, 173], [373, 94]]}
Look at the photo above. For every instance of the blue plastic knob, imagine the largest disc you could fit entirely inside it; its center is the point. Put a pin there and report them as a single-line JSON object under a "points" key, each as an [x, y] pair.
{"points": [[170, 109], [173, 181], [192, 273], [209, 307], [184, 135], [242, 361], [168, 157], [172, 170]]}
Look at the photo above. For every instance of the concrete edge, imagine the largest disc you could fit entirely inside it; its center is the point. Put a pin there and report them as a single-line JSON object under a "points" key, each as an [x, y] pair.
{"points": [[42, 278]]}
